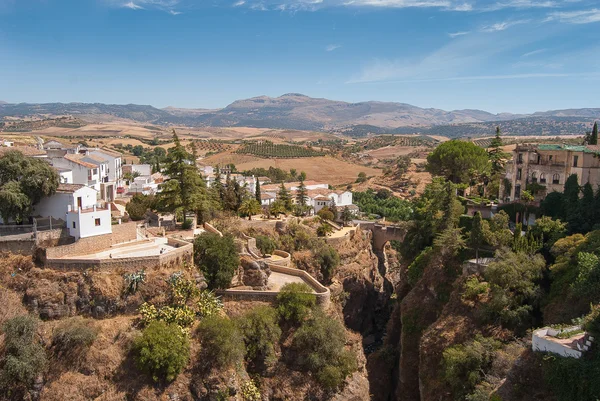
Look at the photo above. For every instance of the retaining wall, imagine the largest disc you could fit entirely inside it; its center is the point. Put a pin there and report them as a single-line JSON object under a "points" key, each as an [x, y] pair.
{"points": [[213, 230], [120, 233], [176, 257], [322, 293], [23, 244], [286, 258], [539, 342]]}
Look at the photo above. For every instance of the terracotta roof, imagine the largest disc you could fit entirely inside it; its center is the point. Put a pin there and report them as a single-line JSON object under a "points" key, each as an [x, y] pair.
{"points": [[26, 150], [322, 197], [69, 188], [289, 185], [266, 196], [77, 159]]}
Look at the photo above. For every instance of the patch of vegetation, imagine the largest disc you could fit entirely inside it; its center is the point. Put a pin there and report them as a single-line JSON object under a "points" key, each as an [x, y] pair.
{"points": [[266, 244], [162, 351], [384, 204], [295, 301], [268, 149], [222, 342], [73, 336], [217, 257], [320, 347], [139, 205], [261, 333]]}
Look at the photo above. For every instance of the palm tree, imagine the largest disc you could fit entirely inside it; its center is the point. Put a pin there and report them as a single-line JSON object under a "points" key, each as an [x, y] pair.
{"points": [[250, 207]]}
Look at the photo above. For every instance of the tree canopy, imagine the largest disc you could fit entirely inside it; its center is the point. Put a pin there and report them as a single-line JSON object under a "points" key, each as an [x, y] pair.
{"points": [[24, 181], [217, 257], [457, 160]]}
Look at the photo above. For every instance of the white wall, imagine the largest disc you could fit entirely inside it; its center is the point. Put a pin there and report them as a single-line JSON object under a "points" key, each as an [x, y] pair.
{"points": [[541, 343], [344, 199], [54, 206], [83, 225], [66, 177], [142, 169], [114, 171], [80, 173]]}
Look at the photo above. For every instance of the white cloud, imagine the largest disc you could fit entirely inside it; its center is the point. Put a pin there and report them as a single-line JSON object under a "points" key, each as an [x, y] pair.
{"points": [[534, 52], [133, 6], [521, 4], [239, 3], [495, 77], [502, 26], [457, 34], [576, 17], [331, 48], [313, 5], [173, 12]]}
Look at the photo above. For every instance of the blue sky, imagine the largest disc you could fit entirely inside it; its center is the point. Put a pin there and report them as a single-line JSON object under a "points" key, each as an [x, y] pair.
{"points": [[496, 55]]}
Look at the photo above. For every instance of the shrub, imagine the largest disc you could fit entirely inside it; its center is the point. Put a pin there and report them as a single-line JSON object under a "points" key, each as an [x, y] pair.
{"points": [[324, 230], [182, 289], [326, 214], [208, 304], [261, 332], [250, 392], [474, 288], [187, 224], [73, 336], [328, 259], [134, 280], [417, 267], [162, 351], [265, 244], [320, 347], [591, 323], [217, 258], [138, 206], [24, 357], [294, 302], [222, 341], [465, 364]]}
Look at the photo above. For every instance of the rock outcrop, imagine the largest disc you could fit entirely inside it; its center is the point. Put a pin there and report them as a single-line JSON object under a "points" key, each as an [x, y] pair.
{"points": [[255, 273]]}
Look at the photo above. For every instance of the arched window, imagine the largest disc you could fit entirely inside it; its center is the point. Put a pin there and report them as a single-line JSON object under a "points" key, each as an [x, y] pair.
{"points": [[534, 177], [542, 178], [556, 179]]}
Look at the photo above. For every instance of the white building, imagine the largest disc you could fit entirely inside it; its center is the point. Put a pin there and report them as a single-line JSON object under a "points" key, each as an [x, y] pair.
{"points": [[77, 205], [143, 184], [141, 169], [65, 175], [84, 172], [115, 170]]}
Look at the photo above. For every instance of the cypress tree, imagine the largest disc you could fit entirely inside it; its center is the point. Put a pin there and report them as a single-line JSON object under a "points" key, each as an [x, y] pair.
{"points": [[284, 196], [257, 193], [301, 195], [476, 237], [594, 137]]}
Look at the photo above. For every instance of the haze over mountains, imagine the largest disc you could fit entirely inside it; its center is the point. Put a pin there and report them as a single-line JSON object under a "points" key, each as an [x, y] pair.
{"points": [[290, 111]]}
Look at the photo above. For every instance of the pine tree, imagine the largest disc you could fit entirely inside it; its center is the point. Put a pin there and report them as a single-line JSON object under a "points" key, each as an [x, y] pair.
{"points": [[284, 196], [257, 193], [301, 193], [496, 155], [476, 238], [594, 137], [185, 189]]}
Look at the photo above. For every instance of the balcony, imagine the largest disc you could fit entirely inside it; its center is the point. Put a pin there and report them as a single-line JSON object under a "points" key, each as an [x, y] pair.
{"points": [[97, 207]]}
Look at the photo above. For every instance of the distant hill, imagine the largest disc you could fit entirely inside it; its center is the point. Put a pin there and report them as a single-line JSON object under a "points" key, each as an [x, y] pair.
{"points": [[300, 112]]}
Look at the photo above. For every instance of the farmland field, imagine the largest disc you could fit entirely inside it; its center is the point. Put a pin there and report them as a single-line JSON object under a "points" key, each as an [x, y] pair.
{"points": [[270, 150]]}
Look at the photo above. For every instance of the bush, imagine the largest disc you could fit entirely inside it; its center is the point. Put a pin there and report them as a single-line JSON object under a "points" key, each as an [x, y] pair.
{"points": [[326, 214], [162, 351], [328, 259], [187, 224], [261, 332], [591, 323], [73, 336], [139, 205], [265, 244], [222, 341], [250, 392], [294, 302], [320, 347], [474, 288], [324, 230], [208, 304], [24, 357], [217, 258], [465, 364]]}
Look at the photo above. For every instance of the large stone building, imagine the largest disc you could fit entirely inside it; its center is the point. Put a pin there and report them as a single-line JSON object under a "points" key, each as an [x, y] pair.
{"points": [[549, 166]]}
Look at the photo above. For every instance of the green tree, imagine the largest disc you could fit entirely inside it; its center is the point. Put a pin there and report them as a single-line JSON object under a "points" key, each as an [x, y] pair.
{"points": [[295, 301], [320, 348], [24, 181], [301, 194], [250, 207], [261, 333], [362, 177], [257, 193], [572, 204], [162, 351], [325, 213], [302, 176], [265, 244], [586, 208], [497, 156], [139, 205], [24, 358], [328, 260], [285, 197], [222, 342], [594, 137], [184, 189], [217, 257], [347, 215], [476, 237], [455, 159]]}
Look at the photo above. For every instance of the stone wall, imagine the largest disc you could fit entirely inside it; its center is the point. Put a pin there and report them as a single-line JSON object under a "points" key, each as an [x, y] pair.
{"points": [[184, 254], [53, 238], [209, 228], [322, 293], [120, 233], [23, 244]]}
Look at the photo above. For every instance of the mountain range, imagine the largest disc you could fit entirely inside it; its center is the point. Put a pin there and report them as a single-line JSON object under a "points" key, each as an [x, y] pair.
{"points": [[292, 111]]}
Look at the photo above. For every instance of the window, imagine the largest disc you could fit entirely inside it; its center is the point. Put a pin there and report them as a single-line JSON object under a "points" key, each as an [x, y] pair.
{"points": [[97, 222], [95, 171], [575, 160], [517, 191], [74, 225], [534, 177], [550, 158], [542, 178], [520, 158], [519, 174], [556, 179], [89, 174]]}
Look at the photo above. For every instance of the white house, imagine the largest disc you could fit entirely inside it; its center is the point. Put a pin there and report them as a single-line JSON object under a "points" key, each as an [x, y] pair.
{"points": [[144, 184], [141, 169], [65, 175], [266, 199], [115, 171], [77, 205], [84, 172]]}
